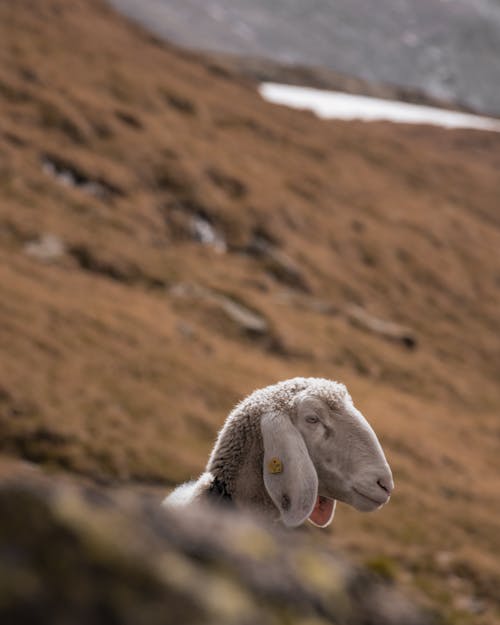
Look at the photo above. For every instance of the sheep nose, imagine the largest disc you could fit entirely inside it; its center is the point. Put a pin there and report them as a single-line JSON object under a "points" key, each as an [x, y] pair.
{"points": [[386, 484]]}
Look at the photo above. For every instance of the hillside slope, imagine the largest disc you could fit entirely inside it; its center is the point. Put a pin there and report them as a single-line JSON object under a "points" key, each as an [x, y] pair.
{"points": [[446, 50], [169, 242]]}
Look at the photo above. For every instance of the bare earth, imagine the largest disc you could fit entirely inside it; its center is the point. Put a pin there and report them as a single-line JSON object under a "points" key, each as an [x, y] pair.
{"points": [[170, 242]]}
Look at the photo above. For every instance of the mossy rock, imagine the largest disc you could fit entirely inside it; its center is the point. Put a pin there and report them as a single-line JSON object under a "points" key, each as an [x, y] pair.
{"points": [[74, 554]]}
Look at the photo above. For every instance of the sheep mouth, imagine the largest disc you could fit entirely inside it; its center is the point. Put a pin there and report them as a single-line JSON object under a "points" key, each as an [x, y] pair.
{"points": [[323, 511], [377, 502]]}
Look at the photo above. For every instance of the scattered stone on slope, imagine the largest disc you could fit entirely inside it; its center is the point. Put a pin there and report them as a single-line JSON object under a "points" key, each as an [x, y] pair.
{"points": [[277, 263], [76, 554], [232, 186], [204, 232], [188, 219], [246, 319], [47, 248], [98, 261], [302, 301], [178, 102], [386, 329], [69, 175], [129, 119]]}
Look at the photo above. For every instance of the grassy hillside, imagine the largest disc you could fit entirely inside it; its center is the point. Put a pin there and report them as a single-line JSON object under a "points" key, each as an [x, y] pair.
{"points": [[169, 242]]}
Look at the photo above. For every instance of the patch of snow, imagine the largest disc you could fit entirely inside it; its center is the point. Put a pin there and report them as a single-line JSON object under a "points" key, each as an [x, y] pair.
{"points": [[337, 105]]}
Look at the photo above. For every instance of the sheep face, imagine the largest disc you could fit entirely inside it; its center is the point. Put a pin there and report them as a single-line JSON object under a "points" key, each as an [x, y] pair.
{"points": [[345, 452], [318, 454]]}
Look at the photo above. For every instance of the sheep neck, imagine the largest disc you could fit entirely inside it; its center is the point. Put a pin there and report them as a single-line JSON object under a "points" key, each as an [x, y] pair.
{"points": [[237, 458]]}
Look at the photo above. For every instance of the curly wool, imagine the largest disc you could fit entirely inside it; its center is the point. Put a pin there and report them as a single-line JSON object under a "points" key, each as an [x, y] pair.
{"points": [[239, 444]]}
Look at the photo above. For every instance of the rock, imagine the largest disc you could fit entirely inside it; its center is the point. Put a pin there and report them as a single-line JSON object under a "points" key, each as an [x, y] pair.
{"points": [[47, 248], [232, 186], [204, 232], [303, 301], [278, 263], [246, 319], [68, 175], [71, 553], [188, 218], [386, 329]]}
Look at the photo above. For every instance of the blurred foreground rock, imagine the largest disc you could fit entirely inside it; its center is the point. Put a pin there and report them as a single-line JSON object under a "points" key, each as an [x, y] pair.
{"points": [[75, 554]]}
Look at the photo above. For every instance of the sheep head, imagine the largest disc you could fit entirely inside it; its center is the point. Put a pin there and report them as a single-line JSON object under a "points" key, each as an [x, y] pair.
{"points": [[322, 451]]}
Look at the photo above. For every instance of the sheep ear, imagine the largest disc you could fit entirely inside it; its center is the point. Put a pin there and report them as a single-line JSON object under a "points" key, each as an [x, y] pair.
{"points": [[289, 474]]}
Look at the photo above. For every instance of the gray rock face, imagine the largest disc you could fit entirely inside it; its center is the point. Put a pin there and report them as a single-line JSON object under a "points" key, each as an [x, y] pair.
{"points": [[74, 554], [447, 48]]}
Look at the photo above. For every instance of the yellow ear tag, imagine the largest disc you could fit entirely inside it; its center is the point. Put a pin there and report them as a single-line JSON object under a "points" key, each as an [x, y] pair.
{"points": [[275, 465]]}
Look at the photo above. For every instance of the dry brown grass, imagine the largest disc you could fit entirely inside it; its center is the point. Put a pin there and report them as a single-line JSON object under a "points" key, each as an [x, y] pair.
{"points": [[105, 372]]}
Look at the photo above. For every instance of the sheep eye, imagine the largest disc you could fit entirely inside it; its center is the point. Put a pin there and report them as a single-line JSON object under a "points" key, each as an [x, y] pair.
{"points": [[312, 419]]}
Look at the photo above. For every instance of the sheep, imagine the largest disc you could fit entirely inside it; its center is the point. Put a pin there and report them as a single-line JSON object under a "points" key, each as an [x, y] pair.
{"points": [[290, 451]]}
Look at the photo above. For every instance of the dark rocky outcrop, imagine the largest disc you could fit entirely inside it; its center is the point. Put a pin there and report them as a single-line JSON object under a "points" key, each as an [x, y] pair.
{"points": [[75, 554]]}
